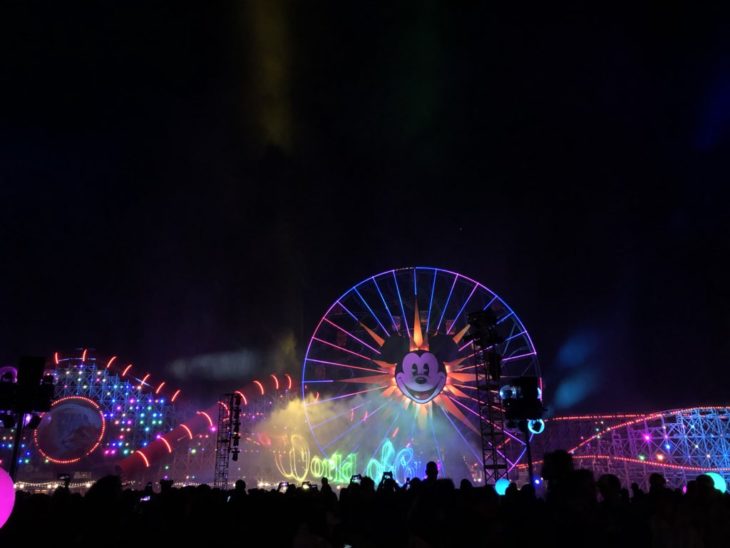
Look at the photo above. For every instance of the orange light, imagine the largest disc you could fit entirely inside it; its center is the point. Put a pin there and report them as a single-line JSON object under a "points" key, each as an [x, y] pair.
{"points": [[288, 378], [83, 356], [55, 357], [276, 381], [175, 395], [167, 444], [144, 458], [210, 421], [261, 386], [157, 391], [110, 362], [126, 369], [245, 401]]}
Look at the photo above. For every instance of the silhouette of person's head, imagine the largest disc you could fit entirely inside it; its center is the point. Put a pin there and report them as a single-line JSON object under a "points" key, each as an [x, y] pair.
{"points": [[432, 471], [240, 486]]}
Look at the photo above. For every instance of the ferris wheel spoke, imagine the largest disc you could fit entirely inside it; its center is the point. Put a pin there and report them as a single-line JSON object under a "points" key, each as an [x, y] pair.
{"points": [[343, 365], [372, 312], [430, 301], [404, 321], [341, 348], [443, 311], [513, 358], [461, 435], [387, 309], [346, 332], [501, 453], [343, 307], [317, 402], [494, 298], [463, 306], [503, 318]]}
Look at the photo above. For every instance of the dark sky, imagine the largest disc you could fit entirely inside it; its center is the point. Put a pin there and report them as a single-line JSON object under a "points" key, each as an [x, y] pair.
{"points": [[186, 179]]}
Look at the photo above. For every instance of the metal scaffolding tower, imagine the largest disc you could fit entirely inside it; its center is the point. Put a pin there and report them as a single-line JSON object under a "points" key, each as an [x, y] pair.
{"points": [[228, 440], [488, 365]]}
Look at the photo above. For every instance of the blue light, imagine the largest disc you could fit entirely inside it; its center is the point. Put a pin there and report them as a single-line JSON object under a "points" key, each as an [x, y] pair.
{"points": [[507, 392], [718, 480], [501, 486], [536, 426]]}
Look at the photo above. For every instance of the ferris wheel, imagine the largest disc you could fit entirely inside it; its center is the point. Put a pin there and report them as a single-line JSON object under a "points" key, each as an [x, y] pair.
{"points": [[389, 380]]}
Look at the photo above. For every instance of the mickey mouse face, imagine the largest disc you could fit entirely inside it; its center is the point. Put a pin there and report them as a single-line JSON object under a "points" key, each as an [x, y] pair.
{"points": [[421, 379]]}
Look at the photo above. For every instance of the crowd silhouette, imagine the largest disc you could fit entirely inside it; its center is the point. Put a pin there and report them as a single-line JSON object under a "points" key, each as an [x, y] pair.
{"points": [[576, 510]]}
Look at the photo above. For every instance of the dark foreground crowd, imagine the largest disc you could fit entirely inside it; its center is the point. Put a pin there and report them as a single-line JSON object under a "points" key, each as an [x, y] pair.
{"points": [[576, 510]]}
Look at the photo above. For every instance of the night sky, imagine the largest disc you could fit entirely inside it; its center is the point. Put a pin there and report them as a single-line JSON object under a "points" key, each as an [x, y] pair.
{"points": [[197, 182]]}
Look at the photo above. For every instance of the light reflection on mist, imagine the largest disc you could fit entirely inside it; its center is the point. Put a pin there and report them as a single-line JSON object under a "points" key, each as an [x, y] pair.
{"points": [[238, 366]]}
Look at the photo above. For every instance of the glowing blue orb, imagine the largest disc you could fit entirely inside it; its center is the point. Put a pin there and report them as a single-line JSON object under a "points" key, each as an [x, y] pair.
{"points": [[718, 480], [501, 486], [507, 392], [536, 426]]}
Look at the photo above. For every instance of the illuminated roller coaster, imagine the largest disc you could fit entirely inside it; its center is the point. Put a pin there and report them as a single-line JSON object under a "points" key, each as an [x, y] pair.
{"points": [[186, 452], [679, 444]]}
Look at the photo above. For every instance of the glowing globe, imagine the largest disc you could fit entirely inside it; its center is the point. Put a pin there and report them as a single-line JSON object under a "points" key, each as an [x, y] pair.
{"points": [[718, 480], [7, 496], [501, 486]]}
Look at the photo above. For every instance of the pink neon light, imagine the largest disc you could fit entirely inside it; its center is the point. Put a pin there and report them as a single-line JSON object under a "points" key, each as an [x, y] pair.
{"points": [[595, 417], [243, 397], [261, 386], [157, 391], [190, 433], [167, 444], [144, 458], [228, 411], [276, 381], [126, 369], [175, 395], [55, 357], [110, 362], [288, 378], [144, 380], [83, 356], [210, 421], [652, 463]]}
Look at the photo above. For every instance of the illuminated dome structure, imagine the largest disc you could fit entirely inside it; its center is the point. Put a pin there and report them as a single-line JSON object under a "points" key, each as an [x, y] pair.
{"points": [[388, 380]]}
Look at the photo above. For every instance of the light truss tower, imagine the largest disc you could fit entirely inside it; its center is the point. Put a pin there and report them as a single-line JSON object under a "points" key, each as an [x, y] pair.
{"points": [[487, 359], [228, 440]]}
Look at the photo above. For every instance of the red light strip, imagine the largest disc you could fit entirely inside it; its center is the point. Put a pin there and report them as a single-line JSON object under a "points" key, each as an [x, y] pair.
{"points": [[210, 421], [144, 458]]}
